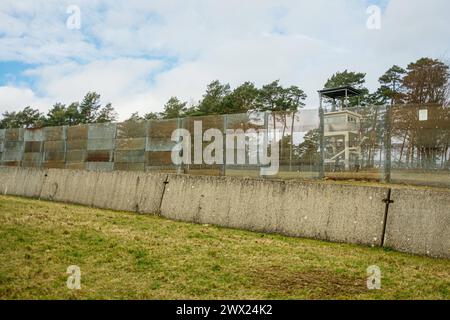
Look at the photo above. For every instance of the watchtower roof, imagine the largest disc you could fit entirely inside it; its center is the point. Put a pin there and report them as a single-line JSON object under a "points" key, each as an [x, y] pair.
{"points": [[339, 92]]}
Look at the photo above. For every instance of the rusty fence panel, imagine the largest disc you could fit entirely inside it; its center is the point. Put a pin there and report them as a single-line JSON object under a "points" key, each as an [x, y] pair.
{"points": [[54, 147], [129, 151], [13, 146], [159, 144], [33, 149], [100, 147], [76, 147]]}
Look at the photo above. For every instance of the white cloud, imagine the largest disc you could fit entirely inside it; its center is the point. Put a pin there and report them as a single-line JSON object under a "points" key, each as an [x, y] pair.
{"points": [[16, 98], [122, 81]]}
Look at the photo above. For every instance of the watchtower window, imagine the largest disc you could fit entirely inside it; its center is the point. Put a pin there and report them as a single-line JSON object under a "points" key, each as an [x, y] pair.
{"points": [[335, 119]]}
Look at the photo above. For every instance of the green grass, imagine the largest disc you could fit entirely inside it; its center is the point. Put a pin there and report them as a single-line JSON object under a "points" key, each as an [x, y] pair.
{"points": [[128, 256]]}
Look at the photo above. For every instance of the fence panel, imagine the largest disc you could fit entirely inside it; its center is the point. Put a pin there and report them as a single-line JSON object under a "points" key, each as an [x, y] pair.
{"points": [[54, 147], [202, 125], [34, 144], [130, 146], [244, 160], [159, 144], [100, 147], [76, 147], [13, 146], [420, 144], [297, 134]]}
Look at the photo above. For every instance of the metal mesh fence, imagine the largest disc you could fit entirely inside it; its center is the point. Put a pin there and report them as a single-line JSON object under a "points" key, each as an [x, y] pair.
{"points": [[420, 139], [401, 144]]}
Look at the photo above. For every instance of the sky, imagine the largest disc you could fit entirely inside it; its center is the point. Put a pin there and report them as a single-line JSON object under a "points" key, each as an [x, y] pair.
{"points": [[137, 54]]}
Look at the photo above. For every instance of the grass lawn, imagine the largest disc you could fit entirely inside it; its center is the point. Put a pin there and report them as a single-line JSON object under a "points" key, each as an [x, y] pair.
{"points": [[129, 256]]}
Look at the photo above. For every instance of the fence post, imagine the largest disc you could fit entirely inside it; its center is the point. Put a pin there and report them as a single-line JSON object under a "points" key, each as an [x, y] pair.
{"points": [[223, 170], [387, 145], [291, 142], [2, 149], [22, 149], [180, 167], [266, 133], [321, 140], [112, 157], [147, 143], [41, 149]]}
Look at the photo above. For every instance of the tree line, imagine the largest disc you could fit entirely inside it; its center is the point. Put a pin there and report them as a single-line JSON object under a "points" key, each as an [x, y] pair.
{"points": [[423, 81], [89, 110]]}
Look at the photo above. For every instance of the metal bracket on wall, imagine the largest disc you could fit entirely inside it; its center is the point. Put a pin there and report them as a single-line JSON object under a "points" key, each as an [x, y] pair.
{"points": [[387, 201], [165, 183]]}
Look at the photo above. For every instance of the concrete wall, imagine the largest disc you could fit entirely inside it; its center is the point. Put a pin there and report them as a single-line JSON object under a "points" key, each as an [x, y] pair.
{"points": [[129, 191], [417, 221], [22, 181], [313, 210]]}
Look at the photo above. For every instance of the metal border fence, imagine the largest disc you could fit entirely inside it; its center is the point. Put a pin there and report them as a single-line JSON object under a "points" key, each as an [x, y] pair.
{"points": [[400, 144]]}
